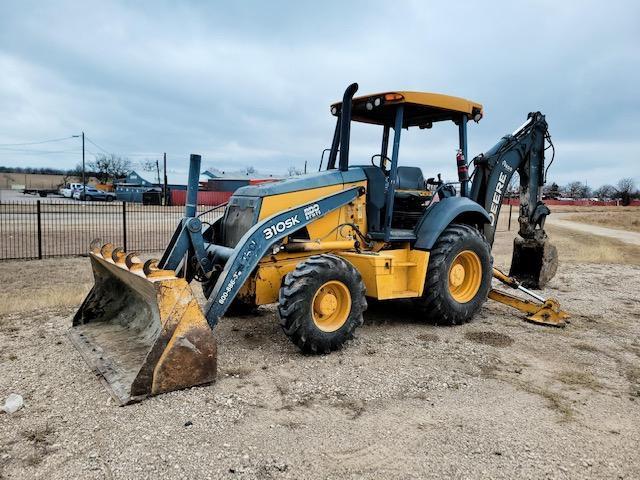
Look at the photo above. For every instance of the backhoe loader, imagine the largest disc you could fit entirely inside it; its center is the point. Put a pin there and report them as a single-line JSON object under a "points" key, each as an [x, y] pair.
{"points": [[318, 245]]}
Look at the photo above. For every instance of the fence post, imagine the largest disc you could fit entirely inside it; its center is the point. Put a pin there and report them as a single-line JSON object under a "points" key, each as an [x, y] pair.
{"points": [[124, 225], [39, 211]]}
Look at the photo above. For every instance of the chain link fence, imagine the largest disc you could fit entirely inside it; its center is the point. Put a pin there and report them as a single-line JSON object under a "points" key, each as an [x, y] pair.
{"points": [[43, 229]]}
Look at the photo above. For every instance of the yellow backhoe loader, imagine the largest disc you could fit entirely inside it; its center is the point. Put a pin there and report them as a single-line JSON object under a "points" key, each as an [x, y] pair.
{"points": [[319, 245]]}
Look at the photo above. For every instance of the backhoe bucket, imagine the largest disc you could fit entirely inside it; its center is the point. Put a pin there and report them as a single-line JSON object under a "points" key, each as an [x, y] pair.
{"points": [[141, 329], [534, 262]]}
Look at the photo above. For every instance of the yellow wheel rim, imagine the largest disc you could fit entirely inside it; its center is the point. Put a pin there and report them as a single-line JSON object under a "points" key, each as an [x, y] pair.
{"points": [[465, 276], [331, 306]]}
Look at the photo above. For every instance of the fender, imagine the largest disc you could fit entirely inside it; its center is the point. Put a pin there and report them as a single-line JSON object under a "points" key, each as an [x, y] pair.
{"points": [[260, 239], [441, 214]]}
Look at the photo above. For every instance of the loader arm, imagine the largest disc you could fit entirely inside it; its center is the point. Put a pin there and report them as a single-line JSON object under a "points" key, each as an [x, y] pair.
{"points": [[260, 239]]}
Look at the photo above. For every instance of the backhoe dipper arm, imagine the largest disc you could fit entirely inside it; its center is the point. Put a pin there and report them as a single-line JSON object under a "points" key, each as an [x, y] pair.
{"points": [[260, 239], [522, 151]]}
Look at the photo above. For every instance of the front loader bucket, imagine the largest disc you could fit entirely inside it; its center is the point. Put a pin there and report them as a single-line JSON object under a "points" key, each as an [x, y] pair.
{"points": [[141, 329], [534, 262]]}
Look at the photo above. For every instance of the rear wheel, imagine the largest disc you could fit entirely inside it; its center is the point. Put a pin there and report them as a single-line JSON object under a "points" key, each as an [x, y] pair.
{"points": [[458, 276], [321, 303]]}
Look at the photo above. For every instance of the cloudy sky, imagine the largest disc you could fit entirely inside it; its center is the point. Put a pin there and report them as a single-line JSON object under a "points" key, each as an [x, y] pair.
{"points": [[250, 83]]}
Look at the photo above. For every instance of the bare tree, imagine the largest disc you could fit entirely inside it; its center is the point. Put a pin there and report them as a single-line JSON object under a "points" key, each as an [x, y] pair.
{"points": [[149, 165], [605, 192], [552, 191], [626, 188], [110, 167], [577, 190], [293, 171]]}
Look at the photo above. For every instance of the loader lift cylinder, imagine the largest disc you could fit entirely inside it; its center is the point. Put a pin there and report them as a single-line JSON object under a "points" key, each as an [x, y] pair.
{"points": [[192, 187]]}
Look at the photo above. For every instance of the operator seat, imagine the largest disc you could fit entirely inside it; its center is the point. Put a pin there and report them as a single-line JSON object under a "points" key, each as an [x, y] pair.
{"points": [[410, 182], [410, 196]]}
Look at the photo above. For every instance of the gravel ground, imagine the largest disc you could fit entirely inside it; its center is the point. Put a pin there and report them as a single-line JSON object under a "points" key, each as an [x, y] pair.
{"points": [[497, 398]]}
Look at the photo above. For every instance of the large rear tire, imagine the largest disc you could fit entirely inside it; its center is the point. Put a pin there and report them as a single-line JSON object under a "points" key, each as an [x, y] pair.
{"points": [[458, 277], [321, 303]]}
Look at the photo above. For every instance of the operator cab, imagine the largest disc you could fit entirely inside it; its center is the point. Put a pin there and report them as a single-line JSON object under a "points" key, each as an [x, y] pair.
{"points": [[397, 196]]}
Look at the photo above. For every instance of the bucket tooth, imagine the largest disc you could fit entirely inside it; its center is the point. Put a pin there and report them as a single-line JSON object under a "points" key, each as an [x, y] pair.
{"points": [[95, 245], [118, 255], [106, 251], [142, 335], [133, 262], [151, 270]]}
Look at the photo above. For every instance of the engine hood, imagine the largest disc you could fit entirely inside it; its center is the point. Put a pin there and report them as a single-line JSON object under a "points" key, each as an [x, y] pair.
{"points": [[302, 182]]}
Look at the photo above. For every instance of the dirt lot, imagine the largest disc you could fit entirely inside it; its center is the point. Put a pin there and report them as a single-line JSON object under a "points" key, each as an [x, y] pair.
{"points": [[497, 398]]}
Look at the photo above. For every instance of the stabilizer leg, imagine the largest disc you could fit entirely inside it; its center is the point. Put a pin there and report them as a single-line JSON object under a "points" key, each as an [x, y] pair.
{"points": [[543, 312]]}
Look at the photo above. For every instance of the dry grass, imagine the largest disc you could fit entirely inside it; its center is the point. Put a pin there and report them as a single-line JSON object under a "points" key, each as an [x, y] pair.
{"points": [[50, 283], [633, 376], [494, 339], [588, 209], [555, 401], [573, 247], [579, 379], [622, 220], [578, 247], [586, 347], [427, 337], [40, 439]]}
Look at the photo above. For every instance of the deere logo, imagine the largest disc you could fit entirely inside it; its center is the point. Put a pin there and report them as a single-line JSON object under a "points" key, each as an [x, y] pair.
{"points": [[497, 198]]}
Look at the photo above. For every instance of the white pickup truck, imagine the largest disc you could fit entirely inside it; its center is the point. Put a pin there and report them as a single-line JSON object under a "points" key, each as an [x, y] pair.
{"points": [[67, 190]]}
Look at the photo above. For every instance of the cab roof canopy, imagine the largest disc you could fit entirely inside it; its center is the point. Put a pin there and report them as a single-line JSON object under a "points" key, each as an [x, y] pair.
{"points": [[420, 108]]}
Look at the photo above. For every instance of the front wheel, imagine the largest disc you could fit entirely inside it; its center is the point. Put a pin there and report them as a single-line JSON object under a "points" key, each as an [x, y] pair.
{"points": [[458, 276], [110, 198], [321, 303]]}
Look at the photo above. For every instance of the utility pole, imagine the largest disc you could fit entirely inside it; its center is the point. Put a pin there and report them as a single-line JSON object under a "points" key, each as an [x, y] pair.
{"points": [[164, 187], [84, 183]]}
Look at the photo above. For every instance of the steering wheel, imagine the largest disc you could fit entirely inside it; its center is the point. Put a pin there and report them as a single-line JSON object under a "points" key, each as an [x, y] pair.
{"points": [[383, 162]]}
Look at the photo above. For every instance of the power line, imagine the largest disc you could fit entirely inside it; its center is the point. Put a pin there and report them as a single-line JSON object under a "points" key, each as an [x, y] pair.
{"points": [[94, 143], [35, 143], [36, 152]]}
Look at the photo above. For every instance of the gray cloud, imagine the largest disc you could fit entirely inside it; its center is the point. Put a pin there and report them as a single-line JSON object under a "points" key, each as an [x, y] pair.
{"points": [[250, 83]]}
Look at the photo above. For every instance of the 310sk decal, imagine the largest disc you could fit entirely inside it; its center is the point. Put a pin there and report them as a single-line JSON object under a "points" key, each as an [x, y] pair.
{"points": [[310, 212]]}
